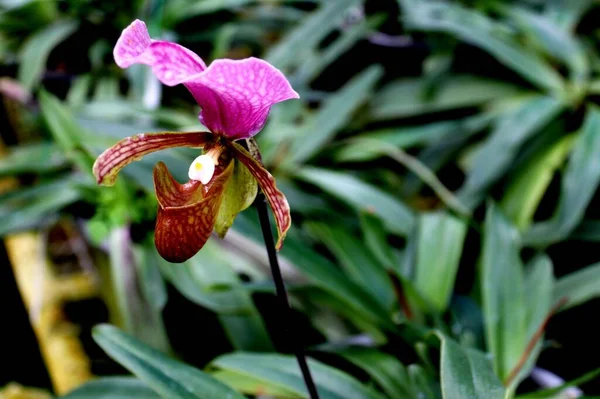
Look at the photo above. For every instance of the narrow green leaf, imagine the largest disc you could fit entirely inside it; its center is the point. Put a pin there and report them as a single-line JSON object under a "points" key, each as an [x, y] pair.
{"points": [[440, 239], [494, 157], [253, 386], [384, 369], [578, 287], [359, 264], [526, 190], [410, 97], [302, 40], [315, 64], [423, 383], [32, 207], [566, 14], [503, 292], [182, 10], [35, 158], [168, 377], [467, 373], [408, 136], [559, 43], [136, 314], [578, 185], [113, 388], [36, 49], [66, 132], [332, 116], [375, 239], [477, 29], [324, 274], [398, 218], [283, 371], [198, 278], [539, 285]]}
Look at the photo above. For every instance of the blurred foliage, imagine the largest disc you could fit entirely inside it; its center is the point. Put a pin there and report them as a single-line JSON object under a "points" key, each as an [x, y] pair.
{"points": [[442, 157]]}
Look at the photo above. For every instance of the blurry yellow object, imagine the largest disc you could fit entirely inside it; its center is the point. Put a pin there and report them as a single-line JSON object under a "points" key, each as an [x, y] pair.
{"points": [[16, 391], [44, 294]]}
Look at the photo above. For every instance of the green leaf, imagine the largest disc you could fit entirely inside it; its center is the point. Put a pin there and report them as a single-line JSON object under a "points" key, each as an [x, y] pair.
{"points": [[283, 372], [408, 136], [66, 132], [419, 169], [423, 383], [503, 292], [32, 207], [240, 192], [477, 29], [36, 49], [354, 257], [384, 369], [398, 218], [578, 185], [559, 43], [253, 386], [578, 287], [319, 60], [177, 11], [566, 14], [375, 239], [301, 41], [333, 115], [440, 239], [539, 285], [497, 153], [467, 373], [113, 388], [526, 190], [35, 158], [136, 314], [168, 377], [209, 280], [410, 97], [324, 274]]}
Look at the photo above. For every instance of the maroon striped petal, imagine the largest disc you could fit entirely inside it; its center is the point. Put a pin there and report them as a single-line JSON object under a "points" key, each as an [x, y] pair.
{"points": [[186, 212], [133, 148], [278, 202]]}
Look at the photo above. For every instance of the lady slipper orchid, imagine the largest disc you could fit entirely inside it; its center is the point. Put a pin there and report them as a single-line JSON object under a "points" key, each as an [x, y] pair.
{"points": [[235, 97]]}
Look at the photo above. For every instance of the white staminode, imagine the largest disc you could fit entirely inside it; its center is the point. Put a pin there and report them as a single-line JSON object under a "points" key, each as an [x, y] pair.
{"points": [[202, 169]]}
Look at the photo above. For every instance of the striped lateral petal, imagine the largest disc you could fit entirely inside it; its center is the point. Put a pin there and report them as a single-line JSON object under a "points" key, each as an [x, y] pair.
{"points": [[186, 213], [276, 199], [133, 148]]}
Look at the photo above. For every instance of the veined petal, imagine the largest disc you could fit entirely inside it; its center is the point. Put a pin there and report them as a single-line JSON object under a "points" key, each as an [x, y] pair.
{"points": [[186, 213], [171, 63], [133, 148], [236, 95], [277, 200]]}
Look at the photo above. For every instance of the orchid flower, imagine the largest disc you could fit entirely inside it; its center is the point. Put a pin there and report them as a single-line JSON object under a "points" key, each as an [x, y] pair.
{"points": [[235, 97]]}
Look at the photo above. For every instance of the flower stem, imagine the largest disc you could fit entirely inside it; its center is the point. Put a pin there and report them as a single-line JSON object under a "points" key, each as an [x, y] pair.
{"points": [[292, 341]]}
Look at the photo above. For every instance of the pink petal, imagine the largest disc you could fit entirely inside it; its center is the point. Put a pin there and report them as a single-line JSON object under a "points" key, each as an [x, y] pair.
{"points": [[236, 95], [277, 201], [171, 63]]}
